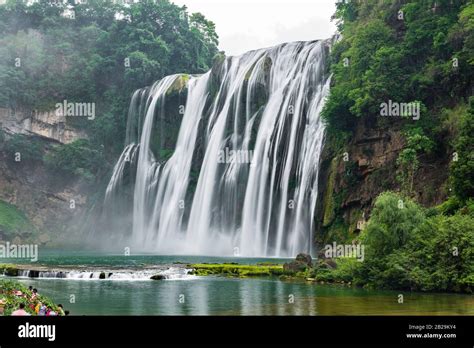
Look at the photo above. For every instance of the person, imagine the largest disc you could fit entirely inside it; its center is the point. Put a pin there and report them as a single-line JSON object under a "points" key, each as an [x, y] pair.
{"points": [[30, 288], [21, 311], [34, 294], [66, 312], [37, 308], [61, 309], [2, 306], [42, 310]]}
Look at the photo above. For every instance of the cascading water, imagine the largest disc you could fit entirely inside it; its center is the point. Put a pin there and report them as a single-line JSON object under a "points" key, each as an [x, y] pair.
{"points": [[241, 177]]}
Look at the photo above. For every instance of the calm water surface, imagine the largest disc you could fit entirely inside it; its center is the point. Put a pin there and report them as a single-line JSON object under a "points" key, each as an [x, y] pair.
{"points": [[223, 296]]}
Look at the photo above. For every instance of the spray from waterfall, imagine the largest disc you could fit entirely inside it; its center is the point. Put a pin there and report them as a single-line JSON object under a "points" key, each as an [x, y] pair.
{"points": [[240, 175]]}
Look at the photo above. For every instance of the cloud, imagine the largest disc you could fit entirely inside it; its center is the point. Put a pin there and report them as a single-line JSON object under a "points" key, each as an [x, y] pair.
{"points": [[245, 25]]}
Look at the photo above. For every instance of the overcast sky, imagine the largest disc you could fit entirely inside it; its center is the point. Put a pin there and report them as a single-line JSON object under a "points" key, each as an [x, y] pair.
{"points": [[244, 25]]}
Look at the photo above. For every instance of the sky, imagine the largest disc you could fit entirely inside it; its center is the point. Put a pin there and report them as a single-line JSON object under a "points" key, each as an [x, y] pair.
{"points": [[244, 25]]}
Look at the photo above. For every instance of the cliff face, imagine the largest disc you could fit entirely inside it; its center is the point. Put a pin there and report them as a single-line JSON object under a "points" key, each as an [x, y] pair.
{"points": [[45, 124], [51, 202], [352, 177]]}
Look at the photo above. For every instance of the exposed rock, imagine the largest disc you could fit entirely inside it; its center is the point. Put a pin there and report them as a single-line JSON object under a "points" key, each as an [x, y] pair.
{"points": [[44, 238], [301, 264], [33, 274], [45, 124], [43, 196], [158, 277], [363, 162], [351, 177], [11, 271], [305, 258], [330, 263], [102, 275], [325, 263]]}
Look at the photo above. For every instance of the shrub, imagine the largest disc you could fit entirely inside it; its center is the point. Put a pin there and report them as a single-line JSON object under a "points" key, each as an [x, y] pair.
{"points": [[391, 224], [79, 158], [462, 170], [29, 148]]}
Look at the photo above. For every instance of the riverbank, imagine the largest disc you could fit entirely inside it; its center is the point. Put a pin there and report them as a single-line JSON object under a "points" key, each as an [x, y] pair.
{"points": [[236, 296], [13, 295], [232, 286], [344, 271]]}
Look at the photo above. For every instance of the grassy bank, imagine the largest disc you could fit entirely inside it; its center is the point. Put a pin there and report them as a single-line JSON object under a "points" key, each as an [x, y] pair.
{"points": [[236, 270], [8, 294]]}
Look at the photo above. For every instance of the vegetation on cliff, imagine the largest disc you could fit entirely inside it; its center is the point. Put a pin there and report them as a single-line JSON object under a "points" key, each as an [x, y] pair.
{"points": [[13, 221], [408, 52], [408, 247], [96, 52], [405, 52]]}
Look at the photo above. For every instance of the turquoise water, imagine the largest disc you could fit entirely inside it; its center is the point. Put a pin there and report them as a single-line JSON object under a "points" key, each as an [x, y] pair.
{"points": [[223, 296], [81, 258]]}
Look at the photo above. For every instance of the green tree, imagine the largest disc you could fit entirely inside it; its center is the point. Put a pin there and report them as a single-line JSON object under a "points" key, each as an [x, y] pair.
{"points": [[79, 158], [101, 55], [462, 168], [391, 224]]}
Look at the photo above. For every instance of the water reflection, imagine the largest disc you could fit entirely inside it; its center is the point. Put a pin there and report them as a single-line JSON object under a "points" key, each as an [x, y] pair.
{"points": [[223, 296]]}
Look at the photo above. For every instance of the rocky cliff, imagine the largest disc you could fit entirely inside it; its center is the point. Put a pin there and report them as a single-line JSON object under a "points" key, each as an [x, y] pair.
{"points": [[355, 171], [38, 204], [47, 124]]}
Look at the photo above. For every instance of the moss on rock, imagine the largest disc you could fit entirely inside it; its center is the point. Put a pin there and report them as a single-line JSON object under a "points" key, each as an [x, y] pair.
{"points": [[179, 84], [328, 201], [12, 220], [9, 270], [236, 270]]}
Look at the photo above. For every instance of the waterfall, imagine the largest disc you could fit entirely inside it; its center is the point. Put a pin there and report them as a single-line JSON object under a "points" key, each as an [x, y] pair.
{"points": [[170, 273], [226, 163]]}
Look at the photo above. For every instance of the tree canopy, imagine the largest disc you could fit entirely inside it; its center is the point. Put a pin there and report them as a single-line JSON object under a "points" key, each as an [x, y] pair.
{"points": [[97, 52]]}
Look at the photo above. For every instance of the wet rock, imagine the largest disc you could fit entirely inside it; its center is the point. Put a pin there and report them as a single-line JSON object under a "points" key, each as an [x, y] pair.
{"points": [[11, 271], [158, 277], [324, 263], [301, 264], [33, 273], [305, 258]]}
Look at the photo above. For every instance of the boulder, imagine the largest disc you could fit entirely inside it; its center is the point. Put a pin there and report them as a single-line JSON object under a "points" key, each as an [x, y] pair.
{"points": [[326, 264], [301, 264], [11, 271], [305, 258], [158, 277], [33, 273]]}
